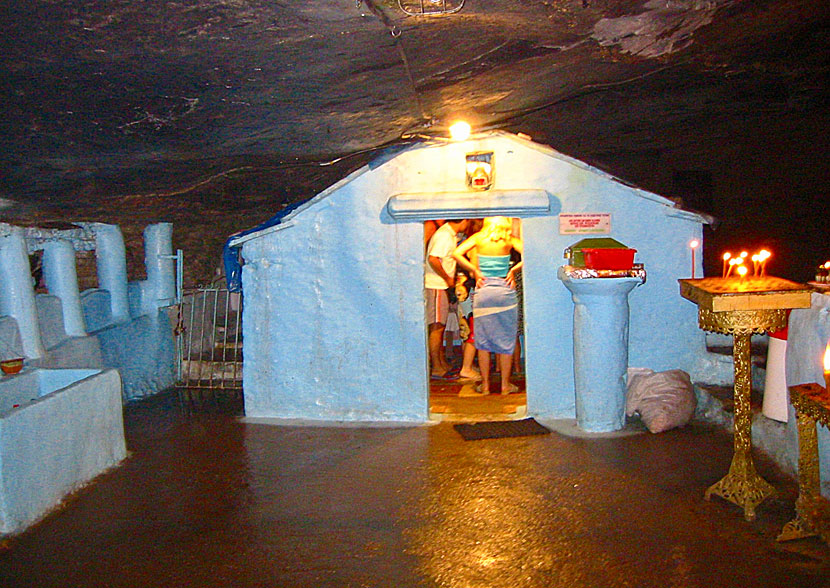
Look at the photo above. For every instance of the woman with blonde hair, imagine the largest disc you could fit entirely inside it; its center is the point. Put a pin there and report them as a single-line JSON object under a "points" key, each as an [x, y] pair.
{"points": [[495, 306]]}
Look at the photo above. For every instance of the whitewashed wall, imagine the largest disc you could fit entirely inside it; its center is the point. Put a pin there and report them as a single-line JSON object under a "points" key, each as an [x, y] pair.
{"points": [[334, 313]]}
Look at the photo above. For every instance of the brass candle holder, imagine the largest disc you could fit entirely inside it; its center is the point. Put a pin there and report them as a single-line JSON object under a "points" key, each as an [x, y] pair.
{"points": [[742, 307]]}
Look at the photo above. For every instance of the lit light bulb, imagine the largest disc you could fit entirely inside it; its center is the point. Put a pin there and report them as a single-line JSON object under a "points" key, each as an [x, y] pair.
{"points": [[460, 131]]}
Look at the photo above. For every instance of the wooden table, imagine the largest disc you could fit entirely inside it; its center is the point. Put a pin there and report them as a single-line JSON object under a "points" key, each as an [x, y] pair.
{"points": [[812, 404], [742, 307]]}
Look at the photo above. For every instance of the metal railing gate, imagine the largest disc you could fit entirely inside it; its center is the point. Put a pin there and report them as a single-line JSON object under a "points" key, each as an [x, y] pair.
{"points": [[209, 339]]}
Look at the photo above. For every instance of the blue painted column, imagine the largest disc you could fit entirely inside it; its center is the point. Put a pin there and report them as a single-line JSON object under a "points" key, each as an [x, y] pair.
{"points": [[17, 296], [61, 279], [161, 267], [111, 257], [600, 349]]}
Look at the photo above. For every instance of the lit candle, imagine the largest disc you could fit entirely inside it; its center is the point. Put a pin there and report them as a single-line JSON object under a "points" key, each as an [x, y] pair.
{"points": [[756, 259], [726, 257], [764, 255], [693, 244], [827, 367], [732, 263], [742, 271]]}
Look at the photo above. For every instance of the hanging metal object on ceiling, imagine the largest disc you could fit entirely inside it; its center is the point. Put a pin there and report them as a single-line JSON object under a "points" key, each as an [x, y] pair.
{"points": [[430, 7]]}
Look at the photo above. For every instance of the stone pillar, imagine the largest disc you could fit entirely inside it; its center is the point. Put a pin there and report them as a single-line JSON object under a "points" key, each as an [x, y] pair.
{"points": [[61, 278], [600, 349], [111, 257], [17, 296], [161, 267]]}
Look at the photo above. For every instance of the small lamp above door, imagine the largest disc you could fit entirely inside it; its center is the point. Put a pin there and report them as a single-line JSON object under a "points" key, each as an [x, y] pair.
{"points": [[480, 170]]}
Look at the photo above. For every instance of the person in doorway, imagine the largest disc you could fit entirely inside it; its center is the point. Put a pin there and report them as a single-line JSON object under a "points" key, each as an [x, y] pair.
{"points": [[439, 274], [464, 289], [515, 257], [495, 306], [430, 227]]}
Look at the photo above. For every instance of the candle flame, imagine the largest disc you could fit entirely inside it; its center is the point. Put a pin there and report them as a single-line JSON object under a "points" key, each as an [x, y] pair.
{"points": [[827, 359], [742, 270], [743, 254], [694, 243], [727, 255]]}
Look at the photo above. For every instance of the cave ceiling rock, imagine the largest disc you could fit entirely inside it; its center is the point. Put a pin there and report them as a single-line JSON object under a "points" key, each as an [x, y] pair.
{"points": [[663, 28]]}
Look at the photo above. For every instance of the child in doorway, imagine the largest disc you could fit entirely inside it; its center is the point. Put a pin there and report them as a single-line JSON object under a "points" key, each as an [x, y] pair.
{"points": [[464, 290]]}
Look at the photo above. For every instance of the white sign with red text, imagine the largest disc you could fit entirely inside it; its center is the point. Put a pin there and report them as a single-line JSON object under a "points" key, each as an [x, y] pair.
{"points": [[588, 222]]}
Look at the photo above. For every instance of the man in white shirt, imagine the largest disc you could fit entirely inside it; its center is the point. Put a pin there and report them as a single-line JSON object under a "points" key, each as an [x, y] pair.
{"points": [[439, 274]]}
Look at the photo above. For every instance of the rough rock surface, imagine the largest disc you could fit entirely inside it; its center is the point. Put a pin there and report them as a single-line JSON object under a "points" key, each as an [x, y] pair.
{"points": [[216, 114]]}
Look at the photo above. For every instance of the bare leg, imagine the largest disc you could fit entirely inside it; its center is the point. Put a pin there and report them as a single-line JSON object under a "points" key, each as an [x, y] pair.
{"points": [[449, 346], [467, 369], [517, 356], [484, 366], [506, 362], [438, 364]]}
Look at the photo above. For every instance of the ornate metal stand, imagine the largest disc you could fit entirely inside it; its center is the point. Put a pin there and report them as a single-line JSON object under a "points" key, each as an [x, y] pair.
{"points": [[740, 309], [742, 485], [812, 404]]}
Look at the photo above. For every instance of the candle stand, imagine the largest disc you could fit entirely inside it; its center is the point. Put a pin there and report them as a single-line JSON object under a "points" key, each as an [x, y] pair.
{"points": [[812, 404], [742, 307]]}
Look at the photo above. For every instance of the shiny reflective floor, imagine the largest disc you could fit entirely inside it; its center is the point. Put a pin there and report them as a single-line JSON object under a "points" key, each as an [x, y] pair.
{"points": [[207, 500]]}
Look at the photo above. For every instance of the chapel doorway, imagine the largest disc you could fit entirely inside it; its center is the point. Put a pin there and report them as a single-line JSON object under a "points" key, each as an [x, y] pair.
{"points": [[454, 395]]}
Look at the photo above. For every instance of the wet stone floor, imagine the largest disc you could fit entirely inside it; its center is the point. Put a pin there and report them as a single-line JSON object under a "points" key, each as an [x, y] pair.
{"points": [[205, 500]]}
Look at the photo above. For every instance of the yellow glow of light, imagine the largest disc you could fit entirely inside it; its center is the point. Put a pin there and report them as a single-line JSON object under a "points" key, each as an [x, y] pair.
{"points": [[827, 265], [764, 254], [726, 256], [827, 359], [460, 131], [742, 270], [472, 166], [694, 243], [743, 254]]}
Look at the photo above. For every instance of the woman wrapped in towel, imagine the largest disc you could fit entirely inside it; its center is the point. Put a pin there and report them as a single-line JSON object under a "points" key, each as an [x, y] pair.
{"points": [[495, 307]]}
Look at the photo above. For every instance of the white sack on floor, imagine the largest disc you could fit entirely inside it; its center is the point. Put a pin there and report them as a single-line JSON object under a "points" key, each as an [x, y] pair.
{"points": [[664, 399]]}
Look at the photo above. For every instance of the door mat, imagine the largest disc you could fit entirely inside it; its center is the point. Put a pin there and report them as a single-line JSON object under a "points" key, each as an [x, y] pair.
{"points": [[499, 429]]}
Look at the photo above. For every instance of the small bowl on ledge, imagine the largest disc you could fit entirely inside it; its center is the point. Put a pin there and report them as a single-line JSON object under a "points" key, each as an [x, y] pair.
{"points": [[11, 366]]}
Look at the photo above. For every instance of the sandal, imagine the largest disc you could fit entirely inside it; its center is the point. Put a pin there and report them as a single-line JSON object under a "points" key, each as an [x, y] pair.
{"points": [[511, 389]]}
